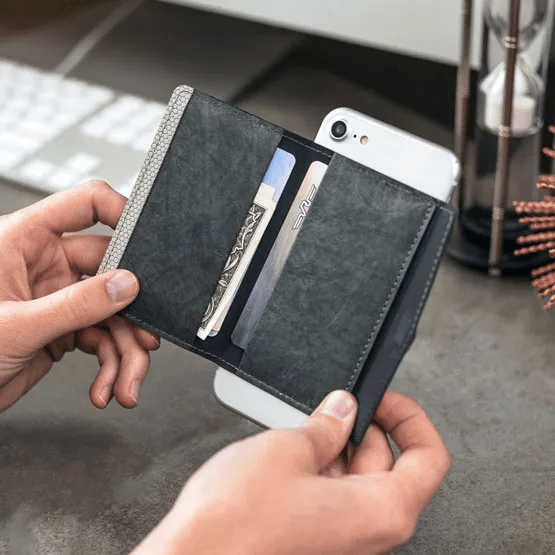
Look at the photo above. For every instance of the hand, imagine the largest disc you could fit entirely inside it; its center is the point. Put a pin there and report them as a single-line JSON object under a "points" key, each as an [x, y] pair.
{"points": [[292, 492], [48, 309]]}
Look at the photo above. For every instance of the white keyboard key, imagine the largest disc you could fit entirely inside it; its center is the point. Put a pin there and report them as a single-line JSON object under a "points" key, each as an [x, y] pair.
{"points": [[12, 148], [37, 170], [19, 105], [100, 95], [42, 111], [130, 103], [123, 108], [63, 179], [10, 159], [121, 136], [7, 117], [148, 118], [96, 128], [25, 143], [37, 129], [83, 163]]}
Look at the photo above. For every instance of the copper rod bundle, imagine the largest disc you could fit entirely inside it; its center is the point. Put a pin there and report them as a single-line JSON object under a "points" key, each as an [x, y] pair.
{"points": [[543, 220], [541, 207], [542, 225], [544, 281], [537, 220], [545, 236], [543, 270], [535, 248]]}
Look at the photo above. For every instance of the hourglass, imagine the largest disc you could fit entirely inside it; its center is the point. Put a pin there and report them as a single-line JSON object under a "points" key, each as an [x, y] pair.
{"points": [[526, 129]]}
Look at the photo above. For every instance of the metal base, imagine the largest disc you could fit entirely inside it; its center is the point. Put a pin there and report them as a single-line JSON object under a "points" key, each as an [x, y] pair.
{"points": [[470, 240]]}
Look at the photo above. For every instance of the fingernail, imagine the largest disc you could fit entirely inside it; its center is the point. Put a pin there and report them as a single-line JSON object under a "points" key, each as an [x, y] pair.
{"points": [[135, 388], [105, 395], [156, 340], [338, 404], [122, 287]]}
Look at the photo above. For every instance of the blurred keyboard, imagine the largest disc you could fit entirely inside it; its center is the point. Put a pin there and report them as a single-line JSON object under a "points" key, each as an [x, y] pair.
{"points": [[57, 132]]}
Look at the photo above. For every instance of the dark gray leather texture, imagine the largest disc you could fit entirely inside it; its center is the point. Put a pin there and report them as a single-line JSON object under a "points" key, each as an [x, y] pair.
{"points": [[338, 283], [191, 219], [399, 329]]}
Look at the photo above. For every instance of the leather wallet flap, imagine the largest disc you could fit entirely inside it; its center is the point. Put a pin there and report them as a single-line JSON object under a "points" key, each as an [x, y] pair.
{"points": [[206, 182], [338, 284]]}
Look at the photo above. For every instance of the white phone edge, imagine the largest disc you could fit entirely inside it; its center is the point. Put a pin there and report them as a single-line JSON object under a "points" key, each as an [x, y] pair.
{"points": [[410, 166], [254, 403], [260, 406]]}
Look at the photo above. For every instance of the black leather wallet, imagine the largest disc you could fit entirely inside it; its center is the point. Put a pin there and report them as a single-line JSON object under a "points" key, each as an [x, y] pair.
{"points": [[345, 308]]}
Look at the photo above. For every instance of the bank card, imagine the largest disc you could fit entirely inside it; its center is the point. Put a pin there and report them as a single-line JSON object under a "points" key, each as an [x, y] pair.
{"points": [[268, 277], [253, 228]]}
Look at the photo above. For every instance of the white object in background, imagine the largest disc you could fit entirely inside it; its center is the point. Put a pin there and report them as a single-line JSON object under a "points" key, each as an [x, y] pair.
{"points": [[524, 113], [56, 132], [427, 30]]}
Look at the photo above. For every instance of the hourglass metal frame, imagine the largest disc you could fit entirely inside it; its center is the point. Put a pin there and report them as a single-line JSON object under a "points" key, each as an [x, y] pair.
{"points": [[505, 130]]}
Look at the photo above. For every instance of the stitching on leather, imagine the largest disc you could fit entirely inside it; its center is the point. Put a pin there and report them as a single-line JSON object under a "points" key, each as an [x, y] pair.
{"points": [[378, 322], [432, 272], [310, 146], [427, 287]]}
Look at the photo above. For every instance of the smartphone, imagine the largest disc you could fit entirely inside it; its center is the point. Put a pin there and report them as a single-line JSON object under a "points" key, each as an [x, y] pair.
{"points": [[418, 163]]}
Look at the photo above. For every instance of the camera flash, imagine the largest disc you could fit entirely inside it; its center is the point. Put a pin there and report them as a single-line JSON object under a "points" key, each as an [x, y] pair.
{"points": [[363, 140]]}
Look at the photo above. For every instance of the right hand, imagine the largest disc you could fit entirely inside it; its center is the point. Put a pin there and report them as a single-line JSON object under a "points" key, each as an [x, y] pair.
{"points": [[291, 492]]}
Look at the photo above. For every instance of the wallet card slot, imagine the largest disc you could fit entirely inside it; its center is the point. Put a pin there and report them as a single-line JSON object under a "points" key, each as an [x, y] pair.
{"points": [[305, 154], [337, 284], [204, 187]]}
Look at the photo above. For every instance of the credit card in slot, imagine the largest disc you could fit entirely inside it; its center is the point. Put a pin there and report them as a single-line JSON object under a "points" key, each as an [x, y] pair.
{"points": [[268, 277], [253, 228]]}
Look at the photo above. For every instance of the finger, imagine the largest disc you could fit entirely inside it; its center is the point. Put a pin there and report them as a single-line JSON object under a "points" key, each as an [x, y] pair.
{"points": [[77, 208], [146, 340], [75, 307], [337, 468], [58, 348], [373, 454], [134, 363], [99, 342], [84, 253], [328, 429], [424, 460], [21, 383]]}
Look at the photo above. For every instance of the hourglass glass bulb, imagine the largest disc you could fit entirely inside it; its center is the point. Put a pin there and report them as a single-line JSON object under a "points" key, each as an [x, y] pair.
{"points": [[532, 16]]}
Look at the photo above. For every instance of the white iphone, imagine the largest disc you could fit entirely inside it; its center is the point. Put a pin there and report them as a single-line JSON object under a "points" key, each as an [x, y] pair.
{"points": [[407, 158]]}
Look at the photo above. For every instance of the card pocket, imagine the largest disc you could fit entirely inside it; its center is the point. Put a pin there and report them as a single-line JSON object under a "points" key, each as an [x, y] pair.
{"points": [[204, 187], [337, 285]]}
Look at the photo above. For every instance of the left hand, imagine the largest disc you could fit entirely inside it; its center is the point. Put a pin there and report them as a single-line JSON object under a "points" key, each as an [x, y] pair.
{"points": [[48, 309]]}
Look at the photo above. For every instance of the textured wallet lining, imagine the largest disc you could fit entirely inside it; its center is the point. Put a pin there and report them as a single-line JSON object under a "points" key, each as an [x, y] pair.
{"points": [[315, 333], [204, 188], [160, 145]]}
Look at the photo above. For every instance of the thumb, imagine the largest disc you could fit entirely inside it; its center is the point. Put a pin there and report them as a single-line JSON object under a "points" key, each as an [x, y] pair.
{"points": [[328, 428], [77, 306]]}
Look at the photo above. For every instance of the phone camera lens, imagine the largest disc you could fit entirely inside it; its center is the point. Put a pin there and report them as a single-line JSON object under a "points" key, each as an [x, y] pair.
{"points": [[338, 130]]}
